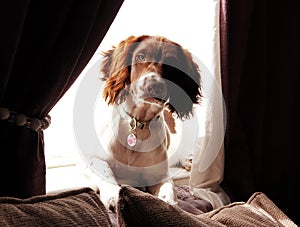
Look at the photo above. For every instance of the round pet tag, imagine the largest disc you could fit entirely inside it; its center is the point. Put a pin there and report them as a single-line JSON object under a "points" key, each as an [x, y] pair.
{"points": [[131, 140]]}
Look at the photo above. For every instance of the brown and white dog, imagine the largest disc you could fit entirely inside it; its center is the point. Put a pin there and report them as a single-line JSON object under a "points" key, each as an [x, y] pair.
{"points": [[149, 80]]}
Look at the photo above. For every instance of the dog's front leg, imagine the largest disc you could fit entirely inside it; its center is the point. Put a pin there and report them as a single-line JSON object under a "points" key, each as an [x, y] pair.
{"points": [[165, 191], [109, 193], [106, 182]]}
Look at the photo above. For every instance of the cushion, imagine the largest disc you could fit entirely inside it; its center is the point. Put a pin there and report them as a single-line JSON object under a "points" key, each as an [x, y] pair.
{"points": [[79, 207], [262, 202], [137, 208], [186, 201], [259, 210]]}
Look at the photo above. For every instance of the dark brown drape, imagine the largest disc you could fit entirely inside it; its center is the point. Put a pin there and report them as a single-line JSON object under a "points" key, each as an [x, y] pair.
{"points": [[261, 74], [44, 47]]}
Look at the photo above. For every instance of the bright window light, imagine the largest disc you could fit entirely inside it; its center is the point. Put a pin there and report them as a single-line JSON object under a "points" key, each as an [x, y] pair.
{"points": [[191, 23]]}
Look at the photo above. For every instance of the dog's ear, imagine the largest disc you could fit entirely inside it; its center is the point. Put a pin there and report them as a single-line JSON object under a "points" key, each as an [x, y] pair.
{"points": [[115, 69], [170, 121], [185, 84]]}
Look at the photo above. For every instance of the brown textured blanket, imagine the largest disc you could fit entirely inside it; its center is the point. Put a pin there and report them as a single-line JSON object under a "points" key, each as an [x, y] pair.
{"points": [[186, 201], [83, 207]]}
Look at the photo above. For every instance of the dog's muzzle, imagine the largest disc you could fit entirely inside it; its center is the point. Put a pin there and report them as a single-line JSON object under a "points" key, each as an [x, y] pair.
{"points": [[152, 86]]}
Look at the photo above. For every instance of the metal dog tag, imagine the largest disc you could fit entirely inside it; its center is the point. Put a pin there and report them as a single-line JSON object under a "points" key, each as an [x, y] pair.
{"points": [[131, 140]]}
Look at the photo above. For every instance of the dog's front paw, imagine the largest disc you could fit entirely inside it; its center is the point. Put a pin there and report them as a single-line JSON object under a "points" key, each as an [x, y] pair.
{"points": [[167, 193], [110, 202], [109, 194]]}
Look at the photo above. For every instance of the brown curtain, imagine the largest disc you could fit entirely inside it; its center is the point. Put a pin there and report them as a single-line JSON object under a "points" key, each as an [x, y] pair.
{"points": [[44, 47], [261, 74]]}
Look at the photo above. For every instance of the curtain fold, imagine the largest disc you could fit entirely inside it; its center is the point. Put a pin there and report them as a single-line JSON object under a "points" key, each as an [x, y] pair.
{"points": [[235, 28], [44, 47], [260, 76]]}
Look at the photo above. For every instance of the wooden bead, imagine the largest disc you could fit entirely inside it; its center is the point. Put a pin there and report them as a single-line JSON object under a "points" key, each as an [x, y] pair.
{"points": [[35, 124], [46, 122], [20, 119], [4, 113]]}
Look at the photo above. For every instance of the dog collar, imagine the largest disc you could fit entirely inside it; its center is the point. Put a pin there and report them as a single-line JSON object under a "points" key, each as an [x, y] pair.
{"points": [[133, 124]]}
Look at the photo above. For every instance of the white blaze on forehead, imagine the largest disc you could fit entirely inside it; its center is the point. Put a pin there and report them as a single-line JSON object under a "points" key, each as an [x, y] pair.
{"points": [[150, 75]]}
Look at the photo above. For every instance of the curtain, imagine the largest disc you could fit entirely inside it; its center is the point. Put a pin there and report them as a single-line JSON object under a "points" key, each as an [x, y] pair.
{"points": [[44, 47], [260, 78], [208, 160]]}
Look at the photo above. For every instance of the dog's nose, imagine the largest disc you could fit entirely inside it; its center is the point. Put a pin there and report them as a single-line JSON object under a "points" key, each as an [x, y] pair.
{"points": [[154, 86]]}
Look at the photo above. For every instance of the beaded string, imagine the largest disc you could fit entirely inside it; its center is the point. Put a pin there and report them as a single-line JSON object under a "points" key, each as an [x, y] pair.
{"points": [[19, 119]]}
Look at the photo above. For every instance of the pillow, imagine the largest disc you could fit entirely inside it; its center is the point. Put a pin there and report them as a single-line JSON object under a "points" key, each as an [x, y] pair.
{"points": [[262, 202], [259, 210], [137, 208], [79, 207]]}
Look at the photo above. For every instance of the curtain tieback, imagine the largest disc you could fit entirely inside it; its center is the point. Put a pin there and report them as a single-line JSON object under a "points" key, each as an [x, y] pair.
{"points": [[19, 119]]}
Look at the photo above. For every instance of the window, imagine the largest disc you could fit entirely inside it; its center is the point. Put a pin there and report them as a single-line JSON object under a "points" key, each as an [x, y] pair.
{"points": [[191, 23]]}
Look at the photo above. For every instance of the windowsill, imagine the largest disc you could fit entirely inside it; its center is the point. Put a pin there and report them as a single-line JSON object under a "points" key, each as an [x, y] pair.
{"points": [[74, 176], [66, 178]]}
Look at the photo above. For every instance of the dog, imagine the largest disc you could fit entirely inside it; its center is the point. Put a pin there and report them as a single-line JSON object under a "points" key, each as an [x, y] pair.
{"points": [[149, 82]]}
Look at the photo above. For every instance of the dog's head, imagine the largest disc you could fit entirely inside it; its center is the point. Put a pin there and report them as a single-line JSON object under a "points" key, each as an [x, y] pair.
{"points": [[153, 69]]}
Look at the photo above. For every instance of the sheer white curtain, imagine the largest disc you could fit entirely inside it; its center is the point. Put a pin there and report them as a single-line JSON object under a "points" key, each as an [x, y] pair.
{"points": [[208, 160]]}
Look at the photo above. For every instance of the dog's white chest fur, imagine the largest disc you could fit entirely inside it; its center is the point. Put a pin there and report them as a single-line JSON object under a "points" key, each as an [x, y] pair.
{"points": [[153, 135], [145, 163]]}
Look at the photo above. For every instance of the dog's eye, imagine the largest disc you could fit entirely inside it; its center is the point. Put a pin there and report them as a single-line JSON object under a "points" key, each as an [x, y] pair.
{"points": [[140, 57]]}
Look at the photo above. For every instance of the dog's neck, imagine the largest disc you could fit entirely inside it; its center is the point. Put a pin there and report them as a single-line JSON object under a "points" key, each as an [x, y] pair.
{"points": [[141, 125], [141, 110], [133, 121]]}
